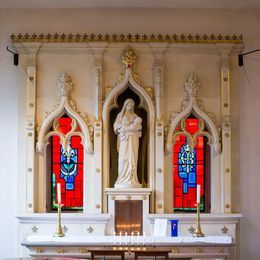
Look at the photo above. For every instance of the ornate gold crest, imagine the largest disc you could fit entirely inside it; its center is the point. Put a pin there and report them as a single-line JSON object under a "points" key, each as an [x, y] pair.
{"points": [[129, 58]]}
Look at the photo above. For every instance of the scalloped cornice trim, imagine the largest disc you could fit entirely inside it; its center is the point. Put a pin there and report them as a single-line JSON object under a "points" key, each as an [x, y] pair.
{"points": [[128, 38]]}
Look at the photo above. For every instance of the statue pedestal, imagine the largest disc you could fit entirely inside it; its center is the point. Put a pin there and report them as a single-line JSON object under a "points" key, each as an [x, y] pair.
{"points": [[127, 185], [123, 194]]}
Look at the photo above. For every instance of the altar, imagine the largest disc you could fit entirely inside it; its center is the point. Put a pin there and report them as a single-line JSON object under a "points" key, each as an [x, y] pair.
{"points": [[187, 247], [119, 133]]}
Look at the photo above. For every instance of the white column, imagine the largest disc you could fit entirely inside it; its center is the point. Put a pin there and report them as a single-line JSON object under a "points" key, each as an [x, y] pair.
{"points": [[158, 50], [28, 66], [98, 51], [226, 128]]}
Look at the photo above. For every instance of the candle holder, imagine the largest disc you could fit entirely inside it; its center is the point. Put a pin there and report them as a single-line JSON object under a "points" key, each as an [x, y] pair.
{"points": [[198, 232], [59, 232]]}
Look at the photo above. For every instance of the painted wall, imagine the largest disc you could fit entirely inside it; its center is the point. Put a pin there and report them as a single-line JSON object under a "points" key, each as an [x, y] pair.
{"points": [[245, 95]]}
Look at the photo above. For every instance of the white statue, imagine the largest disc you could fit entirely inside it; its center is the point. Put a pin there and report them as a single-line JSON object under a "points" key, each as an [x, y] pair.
{"points": [[128, 127]]}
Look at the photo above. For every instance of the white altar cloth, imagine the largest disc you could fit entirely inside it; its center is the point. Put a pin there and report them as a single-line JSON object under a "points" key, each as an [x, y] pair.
{"points": [[129, 240]]}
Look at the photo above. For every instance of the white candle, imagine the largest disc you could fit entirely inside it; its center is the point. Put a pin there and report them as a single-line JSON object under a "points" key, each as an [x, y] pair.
{"points": [[198, 193], [59, 193], [114, 238]]}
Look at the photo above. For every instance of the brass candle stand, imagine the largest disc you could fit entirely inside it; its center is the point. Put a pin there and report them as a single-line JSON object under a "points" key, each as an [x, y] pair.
{"points": [[198, 232], [59, 232]]}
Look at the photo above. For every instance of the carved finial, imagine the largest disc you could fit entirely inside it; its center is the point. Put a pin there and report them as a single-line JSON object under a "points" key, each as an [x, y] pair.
{"points": [[65, 84], [129, 58], [192, 85]]}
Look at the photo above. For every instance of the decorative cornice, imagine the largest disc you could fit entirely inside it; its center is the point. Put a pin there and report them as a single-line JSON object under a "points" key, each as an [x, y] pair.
{"points": [[128, 38]]}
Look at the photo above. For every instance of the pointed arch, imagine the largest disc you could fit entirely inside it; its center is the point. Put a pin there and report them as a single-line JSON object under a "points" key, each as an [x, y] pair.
{"points": [[64, 107], [130, 80], [145, 99], [193, 108], [183, 130]]}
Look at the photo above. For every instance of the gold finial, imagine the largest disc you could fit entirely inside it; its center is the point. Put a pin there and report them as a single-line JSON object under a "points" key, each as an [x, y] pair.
{"points": [[129, 58]]}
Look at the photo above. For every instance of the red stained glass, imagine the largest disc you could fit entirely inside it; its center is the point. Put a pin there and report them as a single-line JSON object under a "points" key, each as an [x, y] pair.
{"points": [[71, 185], [188, 170]]}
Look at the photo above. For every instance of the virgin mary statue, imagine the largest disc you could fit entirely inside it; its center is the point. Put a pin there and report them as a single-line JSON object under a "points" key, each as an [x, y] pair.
{"points": [[128, 127]]}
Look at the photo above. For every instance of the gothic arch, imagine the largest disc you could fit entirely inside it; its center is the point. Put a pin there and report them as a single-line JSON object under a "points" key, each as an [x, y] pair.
{"points": [[131, 80], [65, 105], [191, 106]]}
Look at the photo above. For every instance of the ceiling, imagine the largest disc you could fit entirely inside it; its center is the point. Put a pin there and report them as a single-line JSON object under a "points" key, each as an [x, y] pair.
{"points": [[50, 4]]}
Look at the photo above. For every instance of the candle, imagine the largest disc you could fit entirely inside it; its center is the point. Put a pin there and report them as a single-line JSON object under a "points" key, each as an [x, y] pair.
{"points": [[120, 239], [58, 193], [126, 234], [114, 238], [198, 194]]}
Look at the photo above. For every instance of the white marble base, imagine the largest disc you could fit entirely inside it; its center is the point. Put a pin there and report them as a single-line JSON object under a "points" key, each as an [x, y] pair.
{"points": [[127, 185]]}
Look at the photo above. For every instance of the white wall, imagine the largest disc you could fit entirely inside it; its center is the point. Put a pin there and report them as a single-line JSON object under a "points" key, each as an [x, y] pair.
{"points": [[245, 106]]}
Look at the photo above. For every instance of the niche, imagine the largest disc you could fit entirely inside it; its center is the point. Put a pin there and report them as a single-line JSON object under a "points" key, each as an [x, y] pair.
{"points": [[142, 166]]}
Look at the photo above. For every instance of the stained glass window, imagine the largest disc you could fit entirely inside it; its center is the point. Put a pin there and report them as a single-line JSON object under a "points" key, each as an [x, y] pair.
{"points": [[188, 169], [67, 169]]}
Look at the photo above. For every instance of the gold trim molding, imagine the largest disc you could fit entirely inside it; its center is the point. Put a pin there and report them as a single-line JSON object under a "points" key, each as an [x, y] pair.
{"points": [[128, 38]]}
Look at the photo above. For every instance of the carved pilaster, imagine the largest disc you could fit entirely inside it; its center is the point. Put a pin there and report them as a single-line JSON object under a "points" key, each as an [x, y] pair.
{"points": [[224, 52], [97, 174], [28, 56], [158, 50], [159, 167], [98, 50]]}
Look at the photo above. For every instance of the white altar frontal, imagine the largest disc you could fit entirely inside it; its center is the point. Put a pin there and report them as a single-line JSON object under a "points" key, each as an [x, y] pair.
{"points": [[133, 130]]}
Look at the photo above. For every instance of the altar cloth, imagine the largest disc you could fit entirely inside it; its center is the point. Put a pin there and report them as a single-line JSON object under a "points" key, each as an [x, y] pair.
{"points": [[129, 240]]}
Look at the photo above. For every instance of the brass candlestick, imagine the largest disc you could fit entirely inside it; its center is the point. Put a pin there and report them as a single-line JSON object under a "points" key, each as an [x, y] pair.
{"points": [[198, 232], [59, 232]]}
